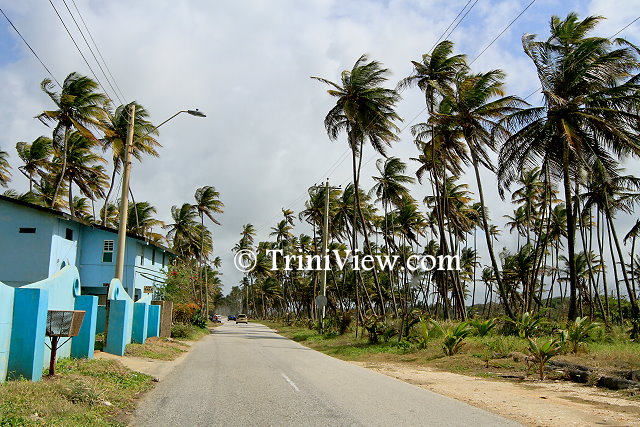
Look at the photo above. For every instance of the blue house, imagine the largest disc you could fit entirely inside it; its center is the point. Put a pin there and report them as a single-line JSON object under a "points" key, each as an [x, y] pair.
{"points": [[36, 242]]}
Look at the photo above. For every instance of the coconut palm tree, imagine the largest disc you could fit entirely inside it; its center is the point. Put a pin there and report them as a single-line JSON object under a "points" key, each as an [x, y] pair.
{"points": [[82, 168], [182, 231], [366, 112], [141, 220], [78, 106], [591, 95], [5, 175], [36, 157]]}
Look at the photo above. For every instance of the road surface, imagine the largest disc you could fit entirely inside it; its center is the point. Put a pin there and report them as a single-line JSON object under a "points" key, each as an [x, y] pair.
{"points": [[247, 375]]}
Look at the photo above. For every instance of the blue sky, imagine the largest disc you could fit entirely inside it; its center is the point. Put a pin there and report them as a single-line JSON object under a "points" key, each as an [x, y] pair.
{"points": [[247, 65]]}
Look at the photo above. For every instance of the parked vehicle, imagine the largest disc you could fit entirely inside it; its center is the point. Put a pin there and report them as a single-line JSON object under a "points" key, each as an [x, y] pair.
{"points": [[242, 318], [231, 317]]}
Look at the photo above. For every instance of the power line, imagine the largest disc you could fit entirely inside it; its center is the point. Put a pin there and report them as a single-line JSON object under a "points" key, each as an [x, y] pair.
{"points": [[98, 49], [502, 32], [450, 24], [31, 49], [91, 51], [461, 19], [80, 51]]}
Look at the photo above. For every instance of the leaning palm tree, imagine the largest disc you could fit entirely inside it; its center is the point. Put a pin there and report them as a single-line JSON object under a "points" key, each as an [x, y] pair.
{"points": [[115, 128], [36, 157], [182, 231], [78, 106], [591, 96], [478, 103], [366, 112], [82, 169], [141, 219], [5, 175]]}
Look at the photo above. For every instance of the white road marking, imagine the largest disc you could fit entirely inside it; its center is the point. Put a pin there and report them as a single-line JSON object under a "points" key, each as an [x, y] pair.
{"points": [[291, 383]]}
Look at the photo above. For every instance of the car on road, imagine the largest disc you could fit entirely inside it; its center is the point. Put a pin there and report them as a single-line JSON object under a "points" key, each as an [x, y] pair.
{"points": [[231, 317], [242, 318]]}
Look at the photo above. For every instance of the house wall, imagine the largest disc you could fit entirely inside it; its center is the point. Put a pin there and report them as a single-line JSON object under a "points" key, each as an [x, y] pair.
{"points": [[24, 257], [63, 251]]}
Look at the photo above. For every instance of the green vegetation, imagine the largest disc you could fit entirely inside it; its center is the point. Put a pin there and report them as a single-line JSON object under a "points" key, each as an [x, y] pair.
{"points": [[158, 348], [84, 392], [188, 332], [461, 350]]}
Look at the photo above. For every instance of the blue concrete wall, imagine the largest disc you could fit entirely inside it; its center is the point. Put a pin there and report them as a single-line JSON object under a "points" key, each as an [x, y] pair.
{"points": [[27, 337], [84, 344], [153, 326], [6, 320], [63, 288], [140, 319], [119, 334], [24, 257]]}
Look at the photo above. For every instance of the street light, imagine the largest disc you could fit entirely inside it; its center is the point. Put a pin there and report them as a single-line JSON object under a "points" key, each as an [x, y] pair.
{"points": [[124, 199]]}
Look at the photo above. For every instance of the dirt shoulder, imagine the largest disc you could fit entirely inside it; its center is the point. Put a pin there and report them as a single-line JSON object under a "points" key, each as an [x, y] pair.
{"points": [[530, 402]]}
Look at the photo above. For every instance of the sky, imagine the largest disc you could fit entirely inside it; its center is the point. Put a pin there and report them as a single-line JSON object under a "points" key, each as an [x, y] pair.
{"points": [[247, 65]]}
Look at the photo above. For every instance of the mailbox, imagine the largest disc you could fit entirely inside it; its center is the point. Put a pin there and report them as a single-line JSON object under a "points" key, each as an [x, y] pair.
{"points": [[62, 323]]}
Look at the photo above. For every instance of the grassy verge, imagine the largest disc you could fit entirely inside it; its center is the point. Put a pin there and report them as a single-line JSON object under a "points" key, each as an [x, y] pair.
{"points": [[95, 392], [158, 348], [480, 356]]}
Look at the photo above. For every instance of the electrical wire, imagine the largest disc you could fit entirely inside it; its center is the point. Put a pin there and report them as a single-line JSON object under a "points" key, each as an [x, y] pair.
{"points": [[92, 53], [31, 49], [97, 49], [80, 51]]}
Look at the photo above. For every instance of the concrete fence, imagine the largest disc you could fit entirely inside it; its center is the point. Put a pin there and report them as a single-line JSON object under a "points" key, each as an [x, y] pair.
{"points": [[23, 317]]}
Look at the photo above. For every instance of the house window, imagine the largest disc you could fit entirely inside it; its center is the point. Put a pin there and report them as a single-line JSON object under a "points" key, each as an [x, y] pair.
{"points": [[153, 257], [107, 251], [27, 230], [141, 254], [68, 234]]}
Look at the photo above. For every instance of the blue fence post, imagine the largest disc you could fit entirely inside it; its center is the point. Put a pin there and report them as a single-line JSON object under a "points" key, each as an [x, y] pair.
{"points": [[26, 355], [153, 328], [119, 333], [83, 344], [140, 313], [6, 320]]}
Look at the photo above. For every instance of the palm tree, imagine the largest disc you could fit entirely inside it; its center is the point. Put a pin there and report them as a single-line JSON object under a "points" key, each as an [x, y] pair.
{"points": [[36, 157], [478, 103], [591, 95], [141, 219], [5, 175], [182, 232], [365, 111], [78, 106], [82, 168], [115, 128]]}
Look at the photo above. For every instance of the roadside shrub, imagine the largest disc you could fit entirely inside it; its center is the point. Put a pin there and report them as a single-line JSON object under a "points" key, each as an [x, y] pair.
{"points": [[429, 329], [579, 332], [527, 324], [184, 313], [180, 330], [543, 352], [375, 327], [482, 328], [453, 339]]}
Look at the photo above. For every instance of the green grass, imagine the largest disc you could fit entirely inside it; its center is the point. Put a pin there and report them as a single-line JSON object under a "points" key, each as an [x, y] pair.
{"points": [[612, 351], [157, 348], [97, 392], [188, 332]]}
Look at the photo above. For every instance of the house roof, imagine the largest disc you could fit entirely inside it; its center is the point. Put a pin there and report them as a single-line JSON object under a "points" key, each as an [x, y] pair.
{"points": [[66, 216]]}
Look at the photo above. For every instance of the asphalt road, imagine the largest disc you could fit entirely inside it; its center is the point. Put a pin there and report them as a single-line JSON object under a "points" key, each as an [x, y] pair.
{"points": [[247, 375]]}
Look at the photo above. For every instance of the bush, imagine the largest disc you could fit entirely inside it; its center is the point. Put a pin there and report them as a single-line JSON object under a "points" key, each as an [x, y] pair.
{"points": [[180, 330], [483, 328], [579, 332], [542, 353], [453, 340]]}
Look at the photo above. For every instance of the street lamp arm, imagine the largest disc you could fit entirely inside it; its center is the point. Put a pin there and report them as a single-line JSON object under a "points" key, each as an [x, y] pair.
{"points": [[195, 112]]}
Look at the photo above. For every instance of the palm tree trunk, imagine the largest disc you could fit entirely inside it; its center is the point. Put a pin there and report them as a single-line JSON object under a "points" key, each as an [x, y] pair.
{"points": [[71, 207], [64, 168], [106, 198], [485, 223], [571, 227]]}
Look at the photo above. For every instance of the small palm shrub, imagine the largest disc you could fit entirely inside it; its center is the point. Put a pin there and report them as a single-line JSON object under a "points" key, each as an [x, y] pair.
{"points": [[543, 352], [429, 329], [578, 333], [527, 324], [482, 328], [453, 339]]}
